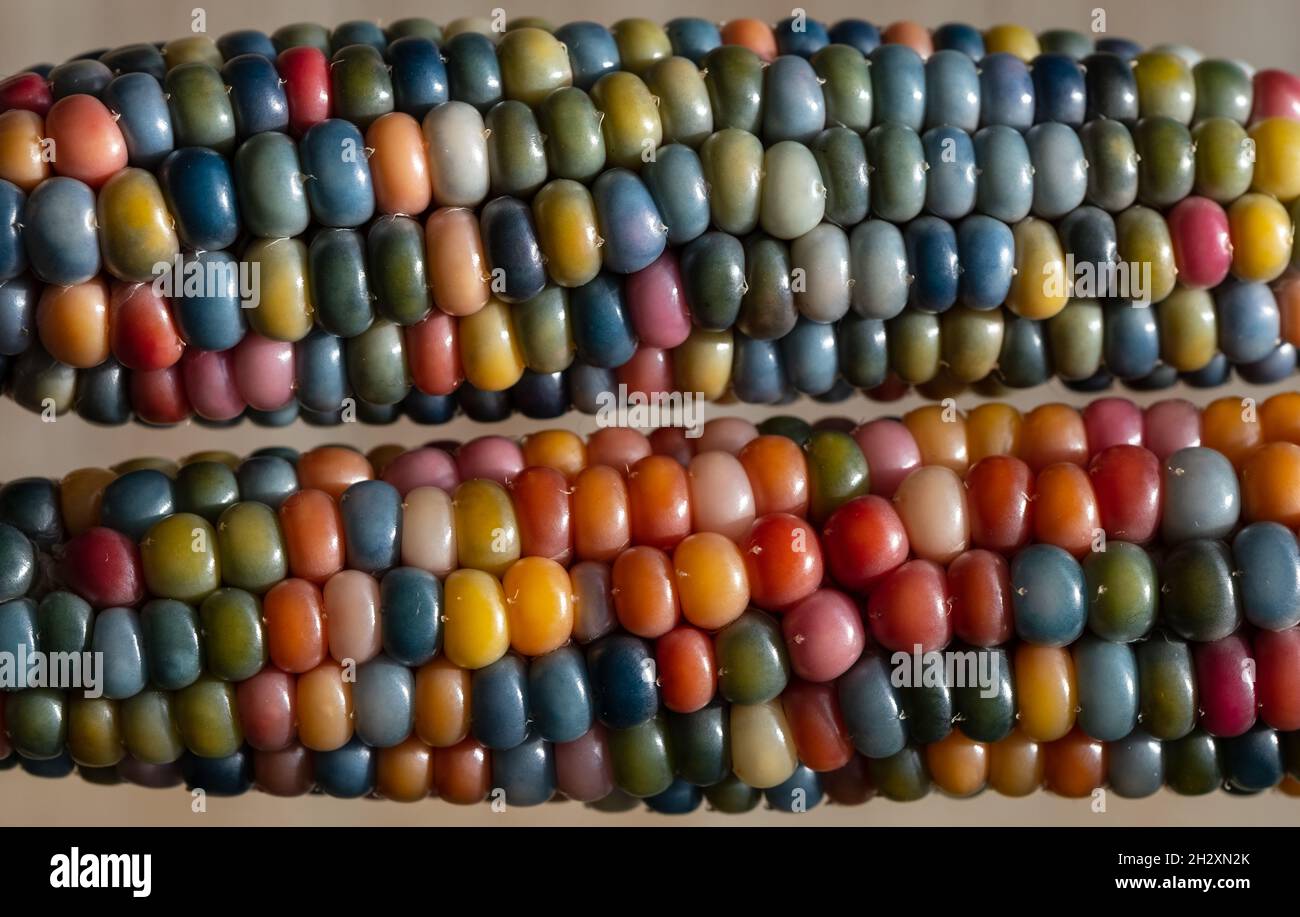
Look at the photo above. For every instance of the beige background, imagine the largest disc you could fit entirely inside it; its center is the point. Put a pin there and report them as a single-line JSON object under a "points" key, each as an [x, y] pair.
{"points": [[1262, 32]]}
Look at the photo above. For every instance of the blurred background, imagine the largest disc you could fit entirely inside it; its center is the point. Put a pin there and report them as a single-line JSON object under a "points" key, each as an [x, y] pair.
{"points": [[1260, 32]]}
